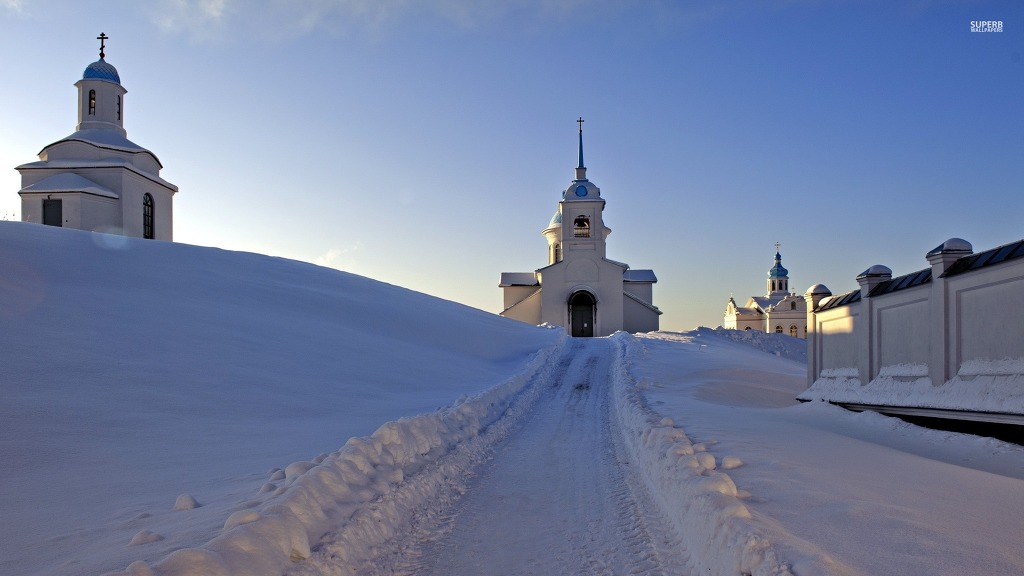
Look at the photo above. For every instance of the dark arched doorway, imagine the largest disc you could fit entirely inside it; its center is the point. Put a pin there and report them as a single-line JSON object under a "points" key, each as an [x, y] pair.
{"points": [[582, 309]]}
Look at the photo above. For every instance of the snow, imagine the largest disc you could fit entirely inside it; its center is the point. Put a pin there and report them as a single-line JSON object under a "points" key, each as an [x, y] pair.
{"points": [[137, 371], [994, 386], [168, 409], [827, 491]]}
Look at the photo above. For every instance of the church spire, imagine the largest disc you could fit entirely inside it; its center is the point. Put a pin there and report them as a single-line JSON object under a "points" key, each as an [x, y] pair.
{"points": [[581, 170]]}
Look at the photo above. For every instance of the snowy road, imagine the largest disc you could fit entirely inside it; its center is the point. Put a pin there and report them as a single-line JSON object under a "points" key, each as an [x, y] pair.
{"points": [[557, 497]]}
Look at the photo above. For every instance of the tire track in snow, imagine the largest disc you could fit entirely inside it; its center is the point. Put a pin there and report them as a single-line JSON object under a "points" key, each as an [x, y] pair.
{"points": [[556, 498]]}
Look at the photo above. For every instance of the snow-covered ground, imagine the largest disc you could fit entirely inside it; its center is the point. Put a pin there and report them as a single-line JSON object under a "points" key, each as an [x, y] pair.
{"points": [[135, 372], [329, 424]]}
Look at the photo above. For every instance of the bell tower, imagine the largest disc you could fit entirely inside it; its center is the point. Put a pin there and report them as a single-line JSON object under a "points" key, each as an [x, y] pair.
{"points": [[101, 96], [778, 276], [577, 228]]}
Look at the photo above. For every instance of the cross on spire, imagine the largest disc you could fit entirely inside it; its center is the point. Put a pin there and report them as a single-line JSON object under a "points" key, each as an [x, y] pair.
{"points": [[580, 122], [102, 38], [777, 246]]}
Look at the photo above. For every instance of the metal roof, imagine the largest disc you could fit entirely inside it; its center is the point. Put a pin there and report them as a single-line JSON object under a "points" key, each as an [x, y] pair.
{"points": [[903, 282], [991, 257], [840, 300]]}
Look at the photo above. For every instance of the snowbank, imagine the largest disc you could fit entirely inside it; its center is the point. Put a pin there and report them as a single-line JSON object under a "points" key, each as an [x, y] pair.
{"points": [[781, 345], [366, 493], [685, 480]]}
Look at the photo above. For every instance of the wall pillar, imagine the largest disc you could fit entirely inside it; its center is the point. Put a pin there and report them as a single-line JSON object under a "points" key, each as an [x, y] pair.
{"points": [[813, 296], [942, 341], [864, 329]]}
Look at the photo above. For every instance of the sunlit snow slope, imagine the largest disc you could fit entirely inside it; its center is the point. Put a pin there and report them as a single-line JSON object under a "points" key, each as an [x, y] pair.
{"points": [[136, 371]]}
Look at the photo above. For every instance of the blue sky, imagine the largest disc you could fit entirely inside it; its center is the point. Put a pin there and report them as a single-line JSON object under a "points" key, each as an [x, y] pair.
{"points": [[426, 144]]}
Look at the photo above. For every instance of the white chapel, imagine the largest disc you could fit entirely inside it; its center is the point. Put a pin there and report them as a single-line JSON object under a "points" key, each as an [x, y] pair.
{"points": [[96, 179], [779, 310], [580, 289]]}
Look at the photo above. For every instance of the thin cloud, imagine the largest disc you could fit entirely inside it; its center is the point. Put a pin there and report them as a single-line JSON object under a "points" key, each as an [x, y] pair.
{"points": [[277, 19], [199, 19], [340, 258]]}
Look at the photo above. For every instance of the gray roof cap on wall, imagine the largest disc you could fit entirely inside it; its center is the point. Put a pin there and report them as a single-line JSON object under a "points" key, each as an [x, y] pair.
{"points": [[819, 289], [953, 245]]}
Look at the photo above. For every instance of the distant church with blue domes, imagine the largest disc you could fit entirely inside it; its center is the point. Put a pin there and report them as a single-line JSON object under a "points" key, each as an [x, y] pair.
{"points": [[580, 289], [779, 310], [96, 179]]}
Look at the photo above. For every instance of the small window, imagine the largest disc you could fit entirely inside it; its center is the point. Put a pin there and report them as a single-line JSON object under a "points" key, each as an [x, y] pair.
{"points": [[147, 216], [118, 107], [747, 328], [792, 305], [778, 329], [581, 227], [558, 252], [793, 331], [92, 102]]}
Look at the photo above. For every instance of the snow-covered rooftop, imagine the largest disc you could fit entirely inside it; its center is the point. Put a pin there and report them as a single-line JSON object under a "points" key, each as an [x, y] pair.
{"points": [[68, 182]]}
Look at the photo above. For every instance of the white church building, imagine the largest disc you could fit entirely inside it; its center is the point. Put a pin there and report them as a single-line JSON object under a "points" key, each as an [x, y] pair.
{"points": [[580, 289], [96, 179], [779, 310]]}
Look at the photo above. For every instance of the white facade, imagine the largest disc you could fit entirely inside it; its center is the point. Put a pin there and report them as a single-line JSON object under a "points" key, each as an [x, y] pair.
{"points": [[580, 289], [946, 341], [96, 179], [779, 310]]}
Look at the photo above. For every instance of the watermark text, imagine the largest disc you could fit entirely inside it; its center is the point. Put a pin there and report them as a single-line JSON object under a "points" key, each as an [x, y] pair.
{"points": [[986, 25]]}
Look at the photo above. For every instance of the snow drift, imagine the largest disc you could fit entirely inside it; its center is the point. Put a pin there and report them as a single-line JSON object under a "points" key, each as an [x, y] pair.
{"points": [[138, 371]]}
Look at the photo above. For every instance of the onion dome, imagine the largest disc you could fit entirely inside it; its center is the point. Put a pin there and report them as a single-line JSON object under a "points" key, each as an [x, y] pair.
{"points": [[101, 70], [556, 220], [778, 271]]}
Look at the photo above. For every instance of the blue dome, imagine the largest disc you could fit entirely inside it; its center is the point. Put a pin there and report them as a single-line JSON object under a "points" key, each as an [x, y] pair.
{"points": [[556, 220], [778, 271], [100, 70]]}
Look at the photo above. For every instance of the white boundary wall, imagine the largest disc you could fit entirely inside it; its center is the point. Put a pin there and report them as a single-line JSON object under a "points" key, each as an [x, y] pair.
{"points": [[953, 343]]}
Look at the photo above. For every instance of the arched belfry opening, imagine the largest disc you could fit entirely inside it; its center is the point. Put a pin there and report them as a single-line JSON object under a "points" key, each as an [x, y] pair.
{"points": [[582, 312]]}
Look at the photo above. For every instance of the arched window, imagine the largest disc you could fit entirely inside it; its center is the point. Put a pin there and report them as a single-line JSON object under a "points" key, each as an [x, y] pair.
{"points": [[778, 329], [792, 305], [119, 107], [92, 102], [581, 227], [747, 328], [147, 216], [558, 252], [792, 331]]}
